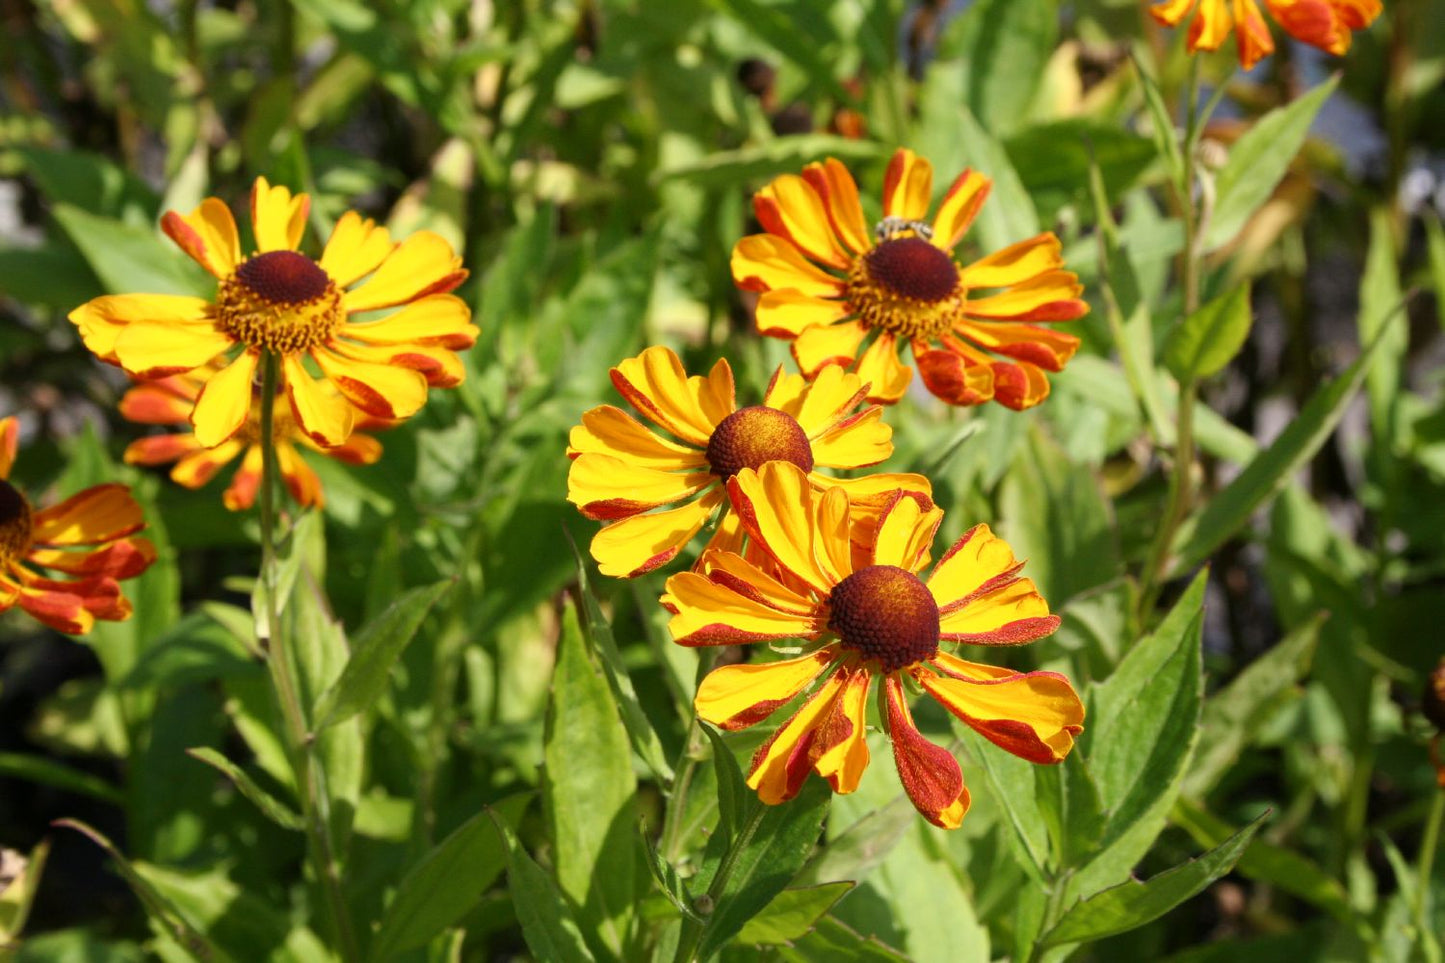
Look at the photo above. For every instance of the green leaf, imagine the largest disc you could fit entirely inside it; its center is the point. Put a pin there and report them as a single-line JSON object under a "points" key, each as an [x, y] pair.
{"points": [[783, 841], [792, 913], [639, 730], [374, 651], [589, 789], [1435, 247], [448, 881], [859, 849], [666, 876], [271, 807], [1209, 338], [1014, 787], [1272, 468], [1166, 140], [1006, 45], [1144, 723], [733, 795], [547, 924], [757, 163], [1053, 160], [1132, 904], [1379, 294], [49, 772], [131, 259], [1233, 715], [831, 941], [17, 895], [1258, 162], [194, 650]]}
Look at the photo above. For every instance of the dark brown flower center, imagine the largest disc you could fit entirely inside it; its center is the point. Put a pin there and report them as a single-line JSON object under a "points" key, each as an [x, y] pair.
{"points": [[885, 613], [283, 277], [281, 301], [912, 268], [15, 524], [751, 437]]}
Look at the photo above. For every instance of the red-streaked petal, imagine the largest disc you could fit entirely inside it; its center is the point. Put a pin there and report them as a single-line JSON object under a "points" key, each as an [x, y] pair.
{"points": [[929, 773]]}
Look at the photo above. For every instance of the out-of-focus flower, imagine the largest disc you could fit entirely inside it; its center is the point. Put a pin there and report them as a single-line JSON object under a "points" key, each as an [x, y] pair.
{"points": [[84, 541], [281, 301], [829, 285], [622, 471], [870, 615], [168, 401], [1327, 24]]}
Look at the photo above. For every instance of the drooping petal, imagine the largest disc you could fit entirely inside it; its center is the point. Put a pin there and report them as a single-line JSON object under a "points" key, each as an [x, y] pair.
{"points": [[737, 696], [62, 611], [423, 264], [1034, 715], [831, 344], [841, 745], [605, 487], [929, 773], [225, 401], [122, 558], [764, 262], [200, 466], [639, 544], [359, 449], [208, 234], [840, 197], [381, 390], [1252, 35], [320, 412], [440, 367], [790, 208], [1019, 386], [907, 186], [781, 765], [300, 479], [871, 494], [1044, 347], [787, 313], [156, 350], [440, 319], [240, 495], [880, 368], [1051, 296], [357, 246], [612, 431], [101, 320], [1015, 263], [1171, 12], [277, 218], [101, 513], [655, 384], [707, 612], [905, 532], [776, 506], [166, 401], [960, 206]]}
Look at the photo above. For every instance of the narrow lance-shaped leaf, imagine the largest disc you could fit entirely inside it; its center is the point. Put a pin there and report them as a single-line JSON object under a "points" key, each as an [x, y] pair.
{"points": [[547, 924], [793, 913], [1132, 904], [271, 807], [1258, 162], [375, 650], [1209, 338]]}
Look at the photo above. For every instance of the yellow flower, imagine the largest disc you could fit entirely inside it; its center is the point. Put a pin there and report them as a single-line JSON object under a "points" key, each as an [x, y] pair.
{"points": [[829, 284], [169, 401], [280, 301], [622, 470], [863, 601], [1327, 24], [84, 540]]}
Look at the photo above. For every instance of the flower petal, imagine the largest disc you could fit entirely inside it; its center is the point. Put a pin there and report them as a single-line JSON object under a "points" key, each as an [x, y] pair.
{"points": [[689, 407], [240, 495], [639, 544], [123, 558], [606, 487], [225, 401], [1052, 296], [737, 696], [1034, 715], [300, 479], [953, 377], [199, 467], [763, 262], [1019, 386], [907, 186], [440, 319], [856, 442], [1044, 347], [929, 773], [423, 264], [612, 431], [381, 390], [277, 218], [102, 319], [790, 208], [787, 312], [825, 404], [872, 494], [165, 401], [1015, 263], [781, 765], [905, 533], [776, 506], [355, 249], [730, 570], [708, 612], [208, 234], [61, 611], [842, 744], [324, 415], [101, 513], [156, 350], [960, 206], [822, 345], [880, 368], [9, 440], [840, 196]]}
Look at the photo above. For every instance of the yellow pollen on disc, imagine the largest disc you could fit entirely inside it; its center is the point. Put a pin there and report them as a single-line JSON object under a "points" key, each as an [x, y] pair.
{"points": [[15, 524], [908, 287], [280, 301], [887, 614], [752, 437]]}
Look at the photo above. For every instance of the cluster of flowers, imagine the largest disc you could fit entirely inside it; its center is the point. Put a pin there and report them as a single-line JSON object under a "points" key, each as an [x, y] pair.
{"points": [[798, 554]]}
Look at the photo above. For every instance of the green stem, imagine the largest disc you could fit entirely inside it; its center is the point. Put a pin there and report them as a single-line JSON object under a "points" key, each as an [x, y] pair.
{"points": [[692, 930], [310, 783], [1424, 869]]}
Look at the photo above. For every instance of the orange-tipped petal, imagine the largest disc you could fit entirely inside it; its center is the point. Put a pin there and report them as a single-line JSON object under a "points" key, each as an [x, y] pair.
{"points": [[929, 773], [738, 696], [1034, 715], [208, 234]]}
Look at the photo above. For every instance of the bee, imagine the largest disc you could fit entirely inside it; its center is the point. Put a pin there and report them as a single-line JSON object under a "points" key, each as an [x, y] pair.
{"points": [[892, 226]]}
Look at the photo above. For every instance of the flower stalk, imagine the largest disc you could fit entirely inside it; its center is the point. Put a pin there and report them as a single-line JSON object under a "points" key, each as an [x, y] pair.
{"points": [[310, 782]]}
